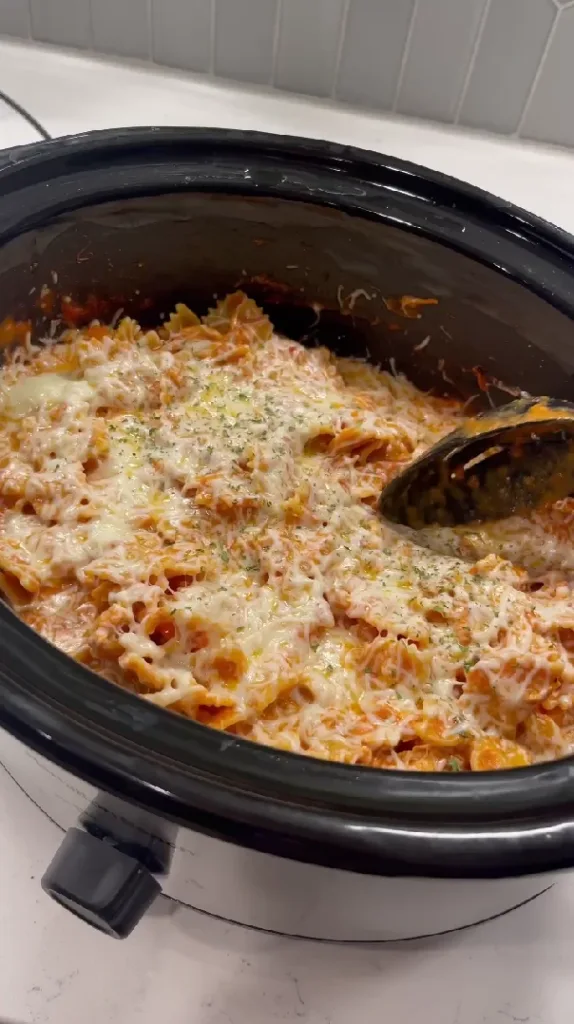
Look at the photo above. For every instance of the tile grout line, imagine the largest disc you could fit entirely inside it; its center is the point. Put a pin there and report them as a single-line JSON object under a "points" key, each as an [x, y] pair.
{"points": [[276, 35], [340, 47], [91, 35], [472, 61], [538, 73], [405, 56], [149, 31], [212, 32]]}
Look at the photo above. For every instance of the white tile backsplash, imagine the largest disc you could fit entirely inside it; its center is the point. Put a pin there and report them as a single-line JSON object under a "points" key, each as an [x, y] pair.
{"points": [[309, 45], [244, 39], [372, 49], [122, 28], [15, 18], [549, 114], [440, 46], [62, 21], [498, 86], [182, 32], [503, 65]]}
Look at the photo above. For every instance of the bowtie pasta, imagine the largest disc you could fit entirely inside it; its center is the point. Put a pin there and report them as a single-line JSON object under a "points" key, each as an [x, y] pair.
{"points": [[191, 513]]}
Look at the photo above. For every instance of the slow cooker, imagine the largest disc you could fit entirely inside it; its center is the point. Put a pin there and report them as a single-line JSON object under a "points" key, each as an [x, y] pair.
{"points": [[325, 237]]}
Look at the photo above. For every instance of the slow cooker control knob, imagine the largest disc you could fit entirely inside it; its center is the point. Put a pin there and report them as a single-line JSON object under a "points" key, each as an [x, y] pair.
{"points": [[101, 884]]}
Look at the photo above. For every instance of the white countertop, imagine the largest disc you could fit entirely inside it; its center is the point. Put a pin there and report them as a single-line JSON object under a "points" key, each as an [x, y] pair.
{"points": [[180, 967]]}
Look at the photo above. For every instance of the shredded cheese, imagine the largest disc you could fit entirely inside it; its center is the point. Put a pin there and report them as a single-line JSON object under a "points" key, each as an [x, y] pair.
{"points": [[191, 512]]}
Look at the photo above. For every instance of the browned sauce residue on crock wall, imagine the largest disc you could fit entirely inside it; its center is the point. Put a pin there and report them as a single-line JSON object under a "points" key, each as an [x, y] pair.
{"points": [[408, 305], [13, 331]]}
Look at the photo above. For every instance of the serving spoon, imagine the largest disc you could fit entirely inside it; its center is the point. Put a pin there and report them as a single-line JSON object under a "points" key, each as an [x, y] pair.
{"points": [[496, 464]]}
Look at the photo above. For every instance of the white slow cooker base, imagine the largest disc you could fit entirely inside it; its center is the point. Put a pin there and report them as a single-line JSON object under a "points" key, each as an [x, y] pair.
{"points": [[280, 895]]}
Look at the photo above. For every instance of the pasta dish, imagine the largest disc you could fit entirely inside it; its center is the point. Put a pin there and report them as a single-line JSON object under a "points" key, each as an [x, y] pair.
{"points": [[191, 513]]}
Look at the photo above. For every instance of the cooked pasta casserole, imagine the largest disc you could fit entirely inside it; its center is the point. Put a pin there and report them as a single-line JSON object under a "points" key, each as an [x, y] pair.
{"points": [[191, 513]]}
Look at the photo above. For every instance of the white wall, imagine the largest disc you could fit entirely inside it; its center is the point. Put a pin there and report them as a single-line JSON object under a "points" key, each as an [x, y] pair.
{"points": [[503, 65]]}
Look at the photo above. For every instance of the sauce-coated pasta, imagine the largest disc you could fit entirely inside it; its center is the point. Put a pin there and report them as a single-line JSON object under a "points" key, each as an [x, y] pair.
{"points": [[190, 512]]}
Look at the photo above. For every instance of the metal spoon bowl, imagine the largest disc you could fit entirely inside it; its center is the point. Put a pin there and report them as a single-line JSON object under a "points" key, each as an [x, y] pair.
{"points": [[497, 464]]}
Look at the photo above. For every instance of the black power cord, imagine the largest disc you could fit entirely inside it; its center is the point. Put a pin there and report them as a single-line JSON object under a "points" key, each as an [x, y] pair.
{"points": [[26, 115]]}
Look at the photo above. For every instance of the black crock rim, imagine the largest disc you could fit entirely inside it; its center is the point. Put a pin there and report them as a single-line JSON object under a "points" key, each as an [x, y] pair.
{"points": [[464, 825]]}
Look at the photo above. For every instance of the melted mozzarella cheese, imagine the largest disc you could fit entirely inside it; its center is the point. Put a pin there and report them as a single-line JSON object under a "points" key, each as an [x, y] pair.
{"points": [[46, 389], [204, 502]]}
